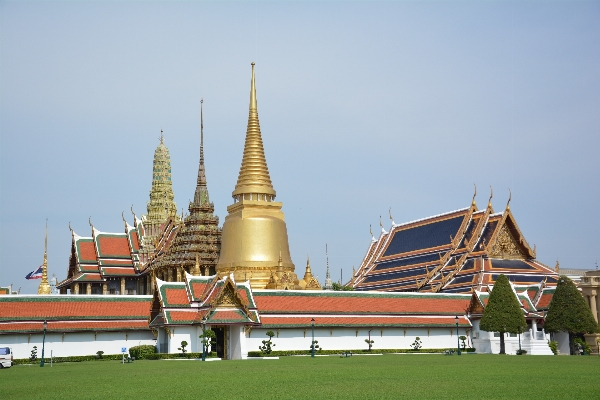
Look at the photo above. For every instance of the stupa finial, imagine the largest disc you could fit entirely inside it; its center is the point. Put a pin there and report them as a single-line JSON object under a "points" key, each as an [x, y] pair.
{"points": [[254, 179], [201, 193]]}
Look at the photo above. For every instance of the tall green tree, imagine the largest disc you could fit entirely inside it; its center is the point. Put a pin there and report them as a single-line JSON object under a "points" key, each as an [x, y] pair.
{"points": [[568, 311], [503, 312]]}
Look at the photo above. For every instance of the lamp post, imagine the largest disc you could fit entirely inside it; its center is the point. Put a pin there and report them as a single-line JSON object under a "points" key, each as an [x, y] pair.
{"points": [[44, 343], [204, 338], [457, 337], [312, 346]]}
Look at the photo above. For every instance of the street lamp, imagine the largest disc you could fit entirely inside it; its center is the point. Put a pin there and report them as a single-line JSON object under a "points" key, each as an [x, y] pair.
{"points": [[204, 338], [44, 343], [312, 347], [457, 337]]}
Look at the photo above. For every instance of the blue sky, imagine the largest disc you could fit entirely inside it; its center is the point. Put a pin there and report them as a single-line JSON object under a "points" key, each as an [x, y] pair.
{"points": [[363, 106]]}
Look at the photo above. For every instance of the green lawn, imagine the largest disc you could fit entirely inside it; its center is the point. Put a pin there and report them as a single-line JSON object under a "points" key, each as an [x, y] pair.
{"points": [[361, 377]]}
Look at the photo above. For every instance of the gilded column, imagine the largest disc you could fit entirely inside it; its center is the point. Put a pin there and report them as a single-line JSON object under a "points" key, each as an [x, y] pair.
{"points": [[122, 285]]}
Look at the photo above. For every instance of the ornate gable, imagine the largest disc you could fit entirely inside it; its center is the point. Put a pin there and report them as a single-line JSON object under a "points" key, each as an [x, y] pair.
{"points": [[508, 242]]}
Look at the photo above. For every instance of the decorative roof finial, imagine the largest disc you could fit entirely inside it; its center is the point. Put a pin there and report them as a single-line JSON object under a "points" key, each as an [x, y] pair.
{"points": [[474, 195], [381, 225], [71, 229], [46, 240], [161, 138], [134, 217], [490, 199], [557, 267], [509, 199], [392, 218], [90, 222]]}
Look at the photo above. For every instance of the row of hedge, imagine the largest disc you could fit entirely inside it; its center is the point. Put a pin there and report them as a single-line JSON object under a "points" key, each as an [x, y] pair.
{"points": [[147, 352], [105, 357], [281, 353]]}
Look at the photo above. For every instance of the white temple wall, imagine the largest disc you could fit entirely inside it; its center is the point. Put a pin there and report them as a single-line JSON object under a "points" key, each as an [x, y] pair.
{"points": [[535, 342], [563, 342], [75, 344], [354, 339], [237, 343], [181, 333]]}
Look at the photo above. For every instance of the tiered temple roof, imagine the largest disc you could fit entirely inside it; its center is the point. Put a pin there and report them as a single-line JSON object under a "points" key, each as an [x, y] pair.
{"points": [[223, 301], [455, 252], [205, 299], [103, 257], [194, 245], [534, 299]]}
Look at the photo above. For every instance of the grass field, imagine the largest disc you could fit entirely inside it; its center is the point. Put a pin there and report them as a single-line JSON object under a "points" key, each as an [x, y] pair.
{"points": [[360, 377]]}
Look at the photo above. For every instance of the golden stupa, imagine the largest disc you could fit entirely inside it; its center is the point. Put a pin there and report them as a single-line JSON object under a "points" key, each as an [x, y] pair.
{"points": [[44, 287], [254, 244]]}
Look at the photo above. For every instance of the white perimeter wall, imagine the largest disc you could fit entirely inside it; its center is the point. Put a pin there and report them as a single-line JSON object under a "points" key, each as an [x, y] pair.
{"points": [[354, 339], [240, 341], [75, 344]]}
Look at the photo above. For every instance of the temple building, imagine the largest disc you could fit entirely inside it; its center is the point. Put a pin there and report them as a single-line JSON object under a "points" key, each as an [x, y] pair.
{"points": [[426, 280], [105, 263], [255, 245], [191, 246], [456, 252]]}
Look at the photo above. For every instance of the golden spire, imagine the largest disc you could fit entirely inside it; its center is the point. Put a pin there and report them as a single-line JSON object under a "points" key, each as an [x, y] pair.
{"points": [[201, 193], [474, 195], [44, 287], [308, 273], [254, 178]]}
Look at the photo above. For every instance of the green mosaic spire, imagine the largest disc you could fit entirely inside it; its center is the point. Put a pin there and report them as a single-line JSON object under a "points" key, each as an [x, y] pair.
{"points": [[161, 204]]}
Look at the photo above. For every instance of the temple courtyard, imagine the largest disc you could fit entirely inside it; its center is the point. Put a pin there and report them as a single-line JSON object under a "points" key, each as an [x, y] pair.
{"points": [[361, 376]]}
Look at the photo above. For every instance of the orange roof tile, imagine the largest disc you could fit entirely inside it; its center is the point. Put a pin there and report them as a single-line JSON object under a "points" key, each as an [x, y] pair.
{"points": [[62, 326], [87, 251], [348, 302], [116, 246], [269, 320], [176, 296], [73, 307]]}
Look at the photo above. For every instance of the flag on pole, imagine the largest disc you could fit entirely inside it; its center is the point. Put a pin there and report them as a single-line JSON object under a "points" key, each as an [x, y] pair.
{"points": [[37, 274]]}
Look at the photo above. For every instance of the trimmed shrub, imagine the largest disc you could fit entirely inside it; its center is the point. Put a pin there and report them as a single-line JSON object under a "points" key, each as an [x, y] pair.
{"points": [[142, 352]]}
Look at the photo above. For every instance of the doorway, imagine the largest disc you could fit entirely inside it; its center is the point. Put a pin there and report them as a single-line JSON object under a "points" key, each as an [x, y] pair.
{"points": [[221, 341]]}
